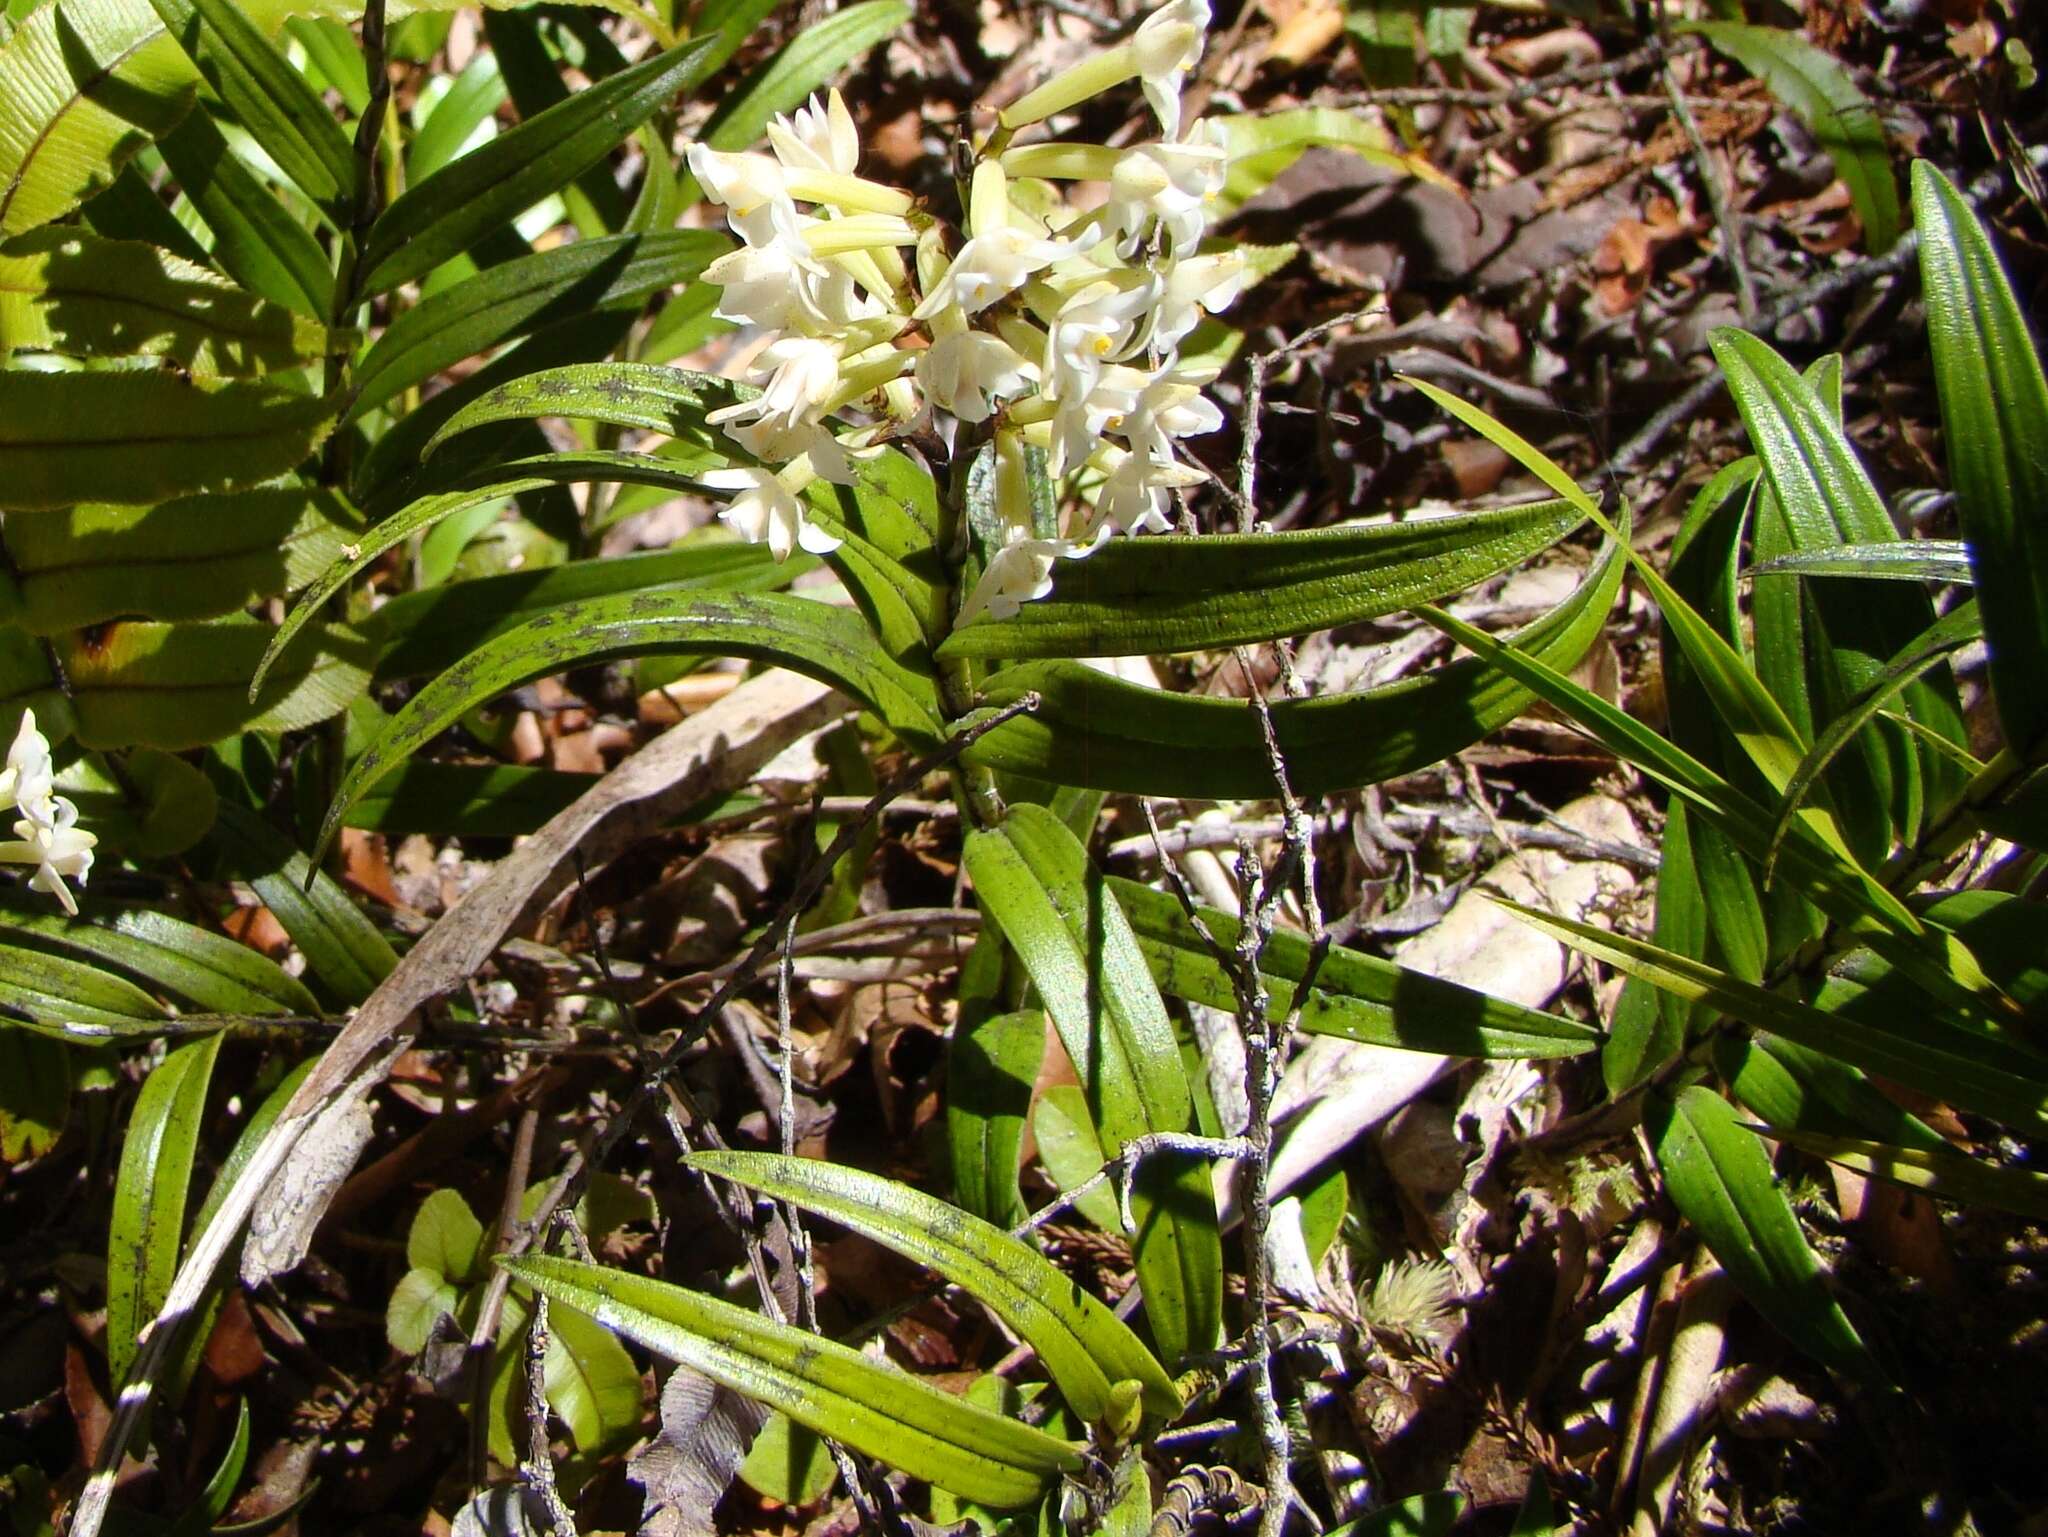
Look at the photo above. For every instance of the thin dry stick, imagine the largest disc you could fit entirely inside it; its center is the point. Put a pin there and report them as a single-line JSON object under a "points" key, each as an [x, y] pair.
{"points": [[1123, 1169], [476, 1363], [537, 1472], [1717, 200]]}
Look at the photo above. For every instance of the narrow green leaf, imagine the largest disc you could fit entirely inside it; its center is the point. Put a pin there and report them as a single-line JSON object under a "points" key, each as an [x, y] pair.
{"points": [[1972, 1068], [1086, 1349], [443, 216], [142, 437], [470, 102], [1071, 1151], [69, 291], [656, 399], [255, 240], [66, 995], [195, 557], [1649, 1026], [990, 1070], [1937, 1171], [1719, 1178], [1034, 877], [1096, 731], [1841, 118], [519, 297], [346, 957], [207, 971], [468, 800], [1827, 501], [267, 96], [149, 1195], [1954, 630], [830, 644], [1145, 597], [1356, 996], [1797, 1089], [424, 632], [1994, 411], [219, 1493], [1904, 560], [875, 1409]]}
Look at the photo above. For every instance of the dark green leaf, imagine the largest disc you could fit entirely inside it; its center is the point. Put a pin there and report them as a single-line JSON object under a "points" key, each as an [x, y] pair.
{"points": [[830, 644], [1096, 731], [267, 96], [519, 297], [1904, 560], [149, 1195], [990, 1071], [872, 1408], [207, 971], [425, 632], [1356, 996], [256, 242], [1994, 408], [1034, 878], [1085, 1348], [345, 954], [1143, 597], [68, 997], [443, 216], [1718, 1176]]}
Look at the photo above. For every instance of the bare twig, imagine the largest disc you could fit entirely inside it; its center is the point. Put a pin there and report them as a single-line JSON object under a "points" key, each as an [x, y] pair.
{"points": [[1412, 823], [482, 1338], [1123, 1169], [1717, 200], [537, 1472]]}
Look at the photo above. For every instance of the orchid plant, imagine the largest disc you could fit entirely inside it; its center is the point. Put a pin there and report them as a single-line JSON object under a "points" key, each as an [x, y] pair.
{"points": [[1050, 327]]}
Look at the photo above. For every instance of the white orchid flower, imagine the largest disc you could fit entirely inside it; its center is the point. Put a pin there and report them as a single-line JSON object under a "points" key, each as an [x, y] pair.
{"points": [[56, 847], [29, 779], [1096, 325], [767, 512], [1170, 185], [1190, 289], [46, 835], [1081, 418], [964, 371], [816, 137], [1133, 496], [775, 442], [1170, 406], [991, 267], [1168, 45], [1021, 572]]}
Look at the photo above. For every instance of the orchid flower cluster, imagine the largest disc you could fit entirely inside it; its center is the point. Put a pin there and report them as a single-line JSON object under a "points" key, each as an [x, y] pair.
{"points": [[1051, 327], [46, 834]]}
